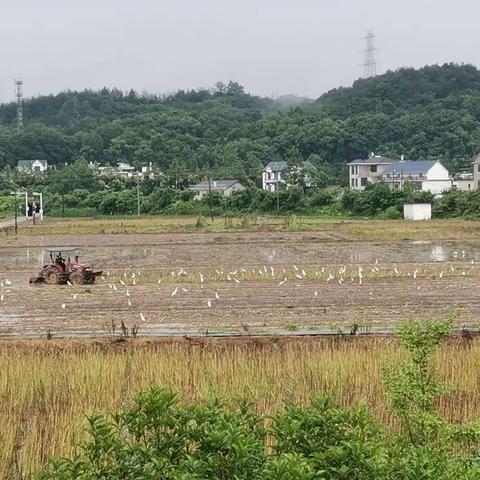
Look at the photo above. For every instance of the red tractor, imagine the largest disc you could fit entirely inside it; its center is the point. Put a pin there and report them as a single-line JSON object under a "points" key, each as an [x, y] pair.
{"points": [[62, 270]]}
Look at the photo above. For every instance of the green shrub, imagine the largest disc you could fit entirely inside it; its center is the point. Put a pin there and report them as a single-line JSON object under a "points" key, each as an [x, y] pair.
{"points": [[201, 223], [391, 213], [182, 208], [160, 438], [7, 205]]}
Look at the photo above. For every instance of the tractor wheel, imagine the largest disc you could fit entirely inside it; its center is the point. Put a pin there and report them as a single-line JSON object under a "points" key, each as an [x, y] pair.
{"points": [[77, 278], [51, 276]]}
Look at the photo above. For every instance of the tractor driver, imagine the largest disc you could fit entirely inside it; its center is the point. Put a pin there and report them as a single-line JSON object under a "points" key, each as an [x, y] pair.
{"points": [[60, 261]]}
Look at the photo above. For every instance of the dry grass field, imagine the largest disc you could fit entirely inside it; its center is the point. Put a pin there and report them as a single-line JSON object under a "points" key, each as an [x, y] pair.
{"points": [[47, 387], [346, 228]]}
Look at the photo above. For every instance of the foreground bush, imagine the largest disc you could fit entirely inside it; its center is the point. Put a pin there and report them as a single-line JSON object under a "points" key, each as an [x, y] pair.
{"points": [[161, 438]]}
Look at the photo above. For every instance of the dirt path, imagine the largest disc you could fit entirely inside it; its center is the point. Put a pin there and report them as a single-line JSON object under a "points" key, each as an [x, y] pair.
{"points": [[11, 223]]}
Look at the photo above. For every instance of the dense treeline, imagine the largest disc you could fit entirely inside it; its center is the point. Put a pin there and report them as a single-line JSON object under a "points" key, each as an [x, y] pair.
{"points": [[76, 190], [431, 113]]}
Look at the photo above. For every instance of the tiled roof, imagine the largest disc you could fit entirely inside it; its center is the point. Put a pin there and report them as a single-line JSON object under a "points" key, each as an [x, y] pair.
{"points": [[216, 185], [281, 165], [277, 166], [410, 167], [372, 161]]}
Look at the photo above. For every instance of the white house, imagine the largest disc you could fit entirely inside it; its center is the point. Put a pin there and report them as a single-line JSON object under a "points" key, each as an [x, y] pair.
{"points": [[429, 175], [225, 187], [32, 165], [476, 172], [125, 170], [273, 175], [464, 182], [147, 171]]}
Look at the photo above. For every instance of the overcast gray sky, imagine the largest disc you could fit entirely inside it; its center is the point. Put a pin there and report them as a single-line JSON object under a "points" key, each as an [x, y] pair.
{"points": [[272, 47]]}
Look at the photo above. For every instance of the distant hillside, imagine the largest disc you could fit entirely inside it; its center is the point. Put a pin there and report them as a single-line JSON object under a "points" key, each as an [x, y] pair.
{"points": [[286, 102], [429, 113], [404, 89]]}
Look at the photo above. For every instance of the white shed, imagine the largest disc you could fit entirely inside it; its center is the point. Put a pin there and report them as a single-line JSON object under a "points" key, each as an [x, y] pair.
{"points": [[417, 211]]}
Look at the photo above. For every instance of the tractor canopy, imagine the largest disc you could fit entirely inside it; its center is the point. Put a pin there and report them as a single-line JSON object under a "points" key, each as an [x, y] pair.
{"points": [[62, 249], [60, 257]]}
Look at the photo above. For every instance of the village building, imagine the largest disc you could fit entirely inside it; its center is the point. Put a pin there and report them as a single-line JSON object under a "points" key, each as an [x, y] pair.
{"points": [[476, 171], [417, 211], [429, 175], [361, 172], [224, 187], [32, 165], [148, 171], [464, 181], [124, 170], [274, 175]]}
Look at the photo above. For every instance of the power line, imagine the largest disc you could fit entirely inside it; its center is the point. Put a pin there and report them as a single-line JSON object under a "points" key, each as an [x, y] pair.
{"points": [[370, 64]]}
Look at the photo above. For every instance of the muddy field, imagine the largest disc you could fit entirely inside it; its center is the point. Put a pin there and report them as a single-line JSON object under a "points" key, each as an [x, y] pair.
{"points": [[240, 283]]}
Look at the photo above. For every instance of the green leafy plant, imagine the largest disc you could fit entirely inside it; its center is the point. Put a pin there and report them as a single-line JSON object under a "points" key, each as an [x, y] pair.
{"points": [[159, 437]]}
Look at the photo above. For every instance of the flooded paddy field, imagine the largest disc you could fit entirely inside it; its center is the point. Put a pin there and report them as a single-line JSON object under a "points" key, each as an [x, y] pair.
{"points": [[238, 283]]}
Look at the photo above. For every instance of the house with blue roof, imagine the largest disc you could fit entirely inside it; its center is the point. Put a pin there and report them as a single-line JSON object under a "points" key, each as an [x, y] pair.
{"points": [[429, 175]]}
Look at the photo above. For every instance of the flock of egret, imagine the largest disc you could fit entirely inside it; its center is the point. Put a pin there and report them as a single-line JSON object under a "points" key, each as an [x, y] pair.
{"points": [[122, 284]]}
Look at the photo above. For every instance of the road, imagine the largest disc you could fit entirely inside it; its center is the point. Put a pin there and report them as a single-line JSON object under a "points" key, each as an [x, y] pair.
{"points": [[11, 222]]}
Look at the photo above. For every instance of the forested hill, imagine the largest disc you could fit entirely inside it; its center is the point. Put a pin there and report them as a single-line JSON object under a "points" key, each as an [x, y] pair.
{"points": [[405, 89], [430, 113]]}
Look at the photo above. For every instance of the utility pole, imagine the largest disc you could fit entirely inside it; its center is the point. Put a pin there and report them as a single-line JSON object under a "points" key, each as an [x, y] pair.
{"points": [[210, 196], [15, 194], [16, 213], [370, 64], [26, 205], [278, 193], [138, 197]]}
